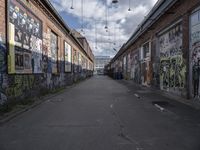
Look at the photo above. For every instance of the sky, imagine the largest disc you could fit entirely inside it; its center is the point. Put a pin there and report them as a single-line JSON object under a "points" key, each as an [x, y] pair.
{"points": [[97, 14]]}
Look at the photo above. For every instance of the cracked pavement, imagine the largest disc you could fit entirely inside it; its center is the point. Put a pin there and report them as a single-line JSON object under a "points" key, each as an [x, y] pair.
{"points": [[103, 114]]}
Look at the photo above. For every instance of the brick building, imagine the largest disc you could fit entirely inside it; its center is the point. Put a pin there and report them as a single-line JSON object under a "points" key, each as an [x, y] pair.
{"points": [[164, 48], [38, 51]]}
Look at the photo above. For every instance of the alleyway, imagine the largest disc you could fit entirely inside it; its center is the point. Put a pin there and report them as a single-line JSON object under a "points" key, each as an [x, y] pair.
{"points": [[103, 114]]}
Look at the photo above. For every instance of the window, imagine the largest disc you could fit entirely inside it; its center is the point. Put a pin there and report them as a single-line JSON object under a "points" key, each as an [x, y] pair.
{"points": [[54, 52], [145, 51], [68, 53]]}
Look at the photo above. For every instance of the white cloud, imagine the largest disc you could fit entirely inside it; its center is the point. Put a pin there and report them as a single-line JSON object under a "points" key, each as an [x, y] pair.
{"points": [[121, 22]]}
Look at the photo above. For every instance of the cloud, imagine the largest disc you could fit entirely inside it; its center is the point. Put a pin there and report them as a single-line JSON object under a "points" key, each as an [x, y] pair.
{"points": [[121, 23]]}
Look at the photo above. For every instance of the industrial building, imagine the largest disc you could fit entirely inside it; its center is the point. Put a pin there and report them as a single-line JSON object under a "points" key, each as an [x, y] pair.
{"points": [[38, 52], [164, 50]]}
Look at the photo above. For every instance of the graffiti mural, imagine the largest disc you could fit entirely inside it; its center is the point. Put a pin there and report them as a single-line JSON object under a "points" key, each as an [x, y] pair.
{"points": [[172, 64], [3, 86], [135, 66], [2, 57], [195, 46], [25, 40]]}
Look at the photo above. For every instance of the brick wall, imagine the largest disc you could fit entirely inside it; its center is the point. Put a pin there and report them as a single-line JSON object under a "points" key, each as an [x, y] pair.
{"points": [[180, 10], [17, 86]]}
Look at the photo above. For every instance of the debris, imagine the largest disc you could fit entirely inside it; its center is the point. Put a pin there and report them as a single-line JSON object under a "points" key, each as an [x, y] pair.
{"points": [[159, 107], [136, 95]]}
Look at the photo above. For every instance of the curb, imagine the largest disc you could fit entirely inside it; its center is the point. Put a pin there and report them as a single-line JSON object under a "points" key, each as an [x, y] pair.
{"points": [[37, 102], [188, 102]]}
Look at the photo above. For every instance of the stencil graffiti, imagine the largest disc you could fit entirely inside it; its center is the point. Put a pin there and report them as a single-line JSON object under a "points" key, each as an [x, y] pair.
{"points": [[172, 64]]}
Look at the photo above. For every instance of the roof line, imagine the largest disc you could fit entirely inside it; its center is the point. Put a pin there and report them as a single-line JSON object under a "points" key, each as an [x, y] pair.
{"points": [[147, 21], [62, 22]]}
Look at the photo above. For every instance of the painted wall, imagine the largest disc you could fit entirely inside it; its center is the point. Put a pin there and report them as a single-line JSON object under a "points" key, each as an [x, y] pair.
{"points": [[40, 54], [175, 46], [135, 67], [172, 64], [195, 51]]}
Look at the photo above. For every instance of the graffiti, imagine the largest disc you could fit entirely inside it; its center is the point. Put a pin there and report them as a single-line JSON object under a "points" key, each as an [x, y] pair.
{"points": [[172, 64], [195, 51], [3, 84], [19, 84], [2, 57], [25, 40], [135, 66], [129, 63]]}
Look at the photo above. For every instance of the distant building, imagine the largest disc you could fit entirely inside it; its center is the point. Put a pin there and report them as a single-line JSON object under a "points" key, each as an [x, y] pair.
{"points": [[100, 63]]}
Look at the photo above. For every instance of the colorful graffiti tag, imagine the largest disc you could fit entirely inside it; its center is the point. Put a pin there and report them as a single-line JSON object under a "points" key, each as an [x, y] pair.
{"points": [[172, 64]]}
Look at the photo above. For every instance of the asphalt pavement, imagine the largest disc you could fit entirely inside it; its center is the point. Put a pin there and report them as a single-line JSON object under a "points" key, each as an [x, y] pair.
{"points": [[104, 114]]}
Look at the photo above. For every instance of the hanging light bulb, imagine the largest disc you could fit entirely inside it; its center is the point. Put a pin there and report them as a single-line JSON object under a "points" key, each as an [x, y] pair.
{"points": [[115, 1], [72, 7], [129, 5], [82, 16], [106, 13]]}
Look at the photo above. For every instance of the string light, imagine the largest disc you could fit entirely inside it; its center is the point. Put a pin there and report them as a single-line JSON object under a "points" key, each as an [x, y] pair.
{"points": [[81, 15], [129, 9], [72, 6], [106, 27]]}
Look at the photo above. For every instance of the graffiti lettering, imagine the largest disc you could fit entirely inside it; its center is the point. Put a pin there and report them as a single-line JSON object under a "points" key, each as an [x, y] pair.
{"points": [[172, 65]]}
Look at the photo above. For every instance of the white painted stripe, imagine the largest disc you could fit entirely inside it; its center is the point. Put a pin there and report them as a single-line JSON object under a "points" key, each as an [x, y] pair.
{"points": [[136, 95], [159, 107]]}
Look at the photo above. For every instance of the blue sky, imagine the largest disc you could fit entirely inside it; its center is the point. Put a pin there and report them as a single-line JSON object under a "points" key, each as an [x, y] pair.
{"points": [[121, 22]]}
